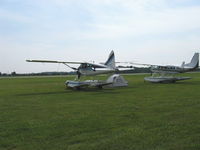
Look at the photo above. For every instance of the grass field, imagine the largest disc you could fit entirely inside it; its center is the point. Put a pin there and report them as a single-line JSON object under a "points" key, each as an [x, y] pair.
{"points": [[40, 114]]}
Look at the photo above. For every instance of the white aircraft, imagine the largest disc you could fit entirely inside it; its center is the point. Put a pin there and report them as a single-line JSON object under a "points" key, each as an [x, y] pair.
{"points": [[90, 69], [166, 72]]}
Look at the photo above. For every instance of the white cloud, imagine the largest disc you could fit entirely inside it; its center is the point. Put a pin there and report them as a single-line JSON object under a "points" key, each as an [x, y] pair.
{"points": [[143, 21], [145, 30]]}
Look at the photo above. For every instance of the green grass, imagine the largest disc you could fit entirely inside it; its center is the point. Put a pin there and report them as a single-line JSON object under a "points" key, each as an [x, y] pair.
{"points": [[40, 114]]}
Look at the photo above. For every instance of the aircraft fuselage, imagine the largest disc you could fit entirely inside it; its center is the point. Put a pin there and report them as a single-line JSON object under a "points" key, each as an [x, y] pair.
{"points": [[95, 71], [171, 69]]}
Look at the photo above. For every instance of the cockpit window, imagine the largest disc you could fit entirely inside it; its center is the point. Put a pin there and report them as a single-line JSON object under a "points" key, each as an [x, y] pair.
{"points": [[86, 65], [83, 65]]}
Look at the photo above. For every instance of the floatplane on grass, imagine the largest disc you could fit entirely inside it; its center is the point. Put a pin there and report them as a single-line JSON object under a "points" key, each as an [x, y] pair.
{"points": [[166, 74], [92, 69]]}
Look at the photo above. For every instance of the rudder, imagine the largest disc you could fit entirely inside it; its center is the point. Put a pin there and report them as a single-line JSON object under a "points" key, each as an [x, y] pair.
{"points": [[194, 62], [111, 60]]}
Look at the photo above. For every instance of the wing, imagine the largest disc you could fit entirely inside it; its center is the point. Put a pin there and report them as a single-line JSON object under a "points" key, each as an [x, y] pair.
{"points": [[69, 62], [52, 61], [149, 65], [61, 62], [133, 63]]}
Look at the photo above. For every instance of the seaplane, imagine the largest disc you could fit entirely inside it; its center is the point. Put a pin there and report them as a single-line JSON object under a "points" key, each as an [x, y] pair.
{"points": [[90, 69], [166, 74]]}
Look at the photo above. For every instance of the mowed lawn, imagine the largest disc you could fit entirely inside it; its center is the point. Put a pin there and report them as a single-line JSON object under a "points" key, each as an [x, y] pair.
{"points": [[40, 114]]}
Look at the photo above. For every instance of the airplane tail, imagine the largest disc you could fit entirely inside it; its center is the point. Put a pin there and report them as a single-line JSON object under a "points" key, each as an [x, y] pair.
{"points": [[111, 60], [194, 62]]}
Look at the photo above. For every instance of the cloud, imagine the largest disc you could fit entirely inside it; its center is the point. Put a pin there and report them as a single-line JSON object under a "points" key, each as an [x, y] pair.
{"points": [[146, 30], [108, 19], [139, 20]]}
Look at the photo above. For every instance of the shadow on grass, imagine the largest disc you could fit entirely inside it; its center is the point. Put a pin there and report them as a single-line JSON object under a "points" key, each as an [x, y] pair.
{"points": [[70, 91], [41, 93], [175, 83], [189, 82], [96, 90]]}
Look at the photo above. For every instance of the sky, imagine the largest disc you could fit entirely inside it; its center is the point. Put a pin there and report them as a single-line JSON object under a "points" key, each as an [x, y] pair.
{"points": [[142, 31]]}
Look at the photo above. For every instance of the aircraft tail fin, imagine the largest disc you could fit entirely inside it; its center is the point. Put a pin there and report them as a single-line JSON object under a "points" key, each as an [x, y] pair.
{"points": [[194, 62], [111, 60]]}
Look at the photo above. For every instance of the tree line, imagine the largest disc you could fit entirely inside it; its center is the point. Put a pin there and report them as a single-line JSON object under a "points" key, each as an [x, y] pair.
{"points": [[135, 70]]}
